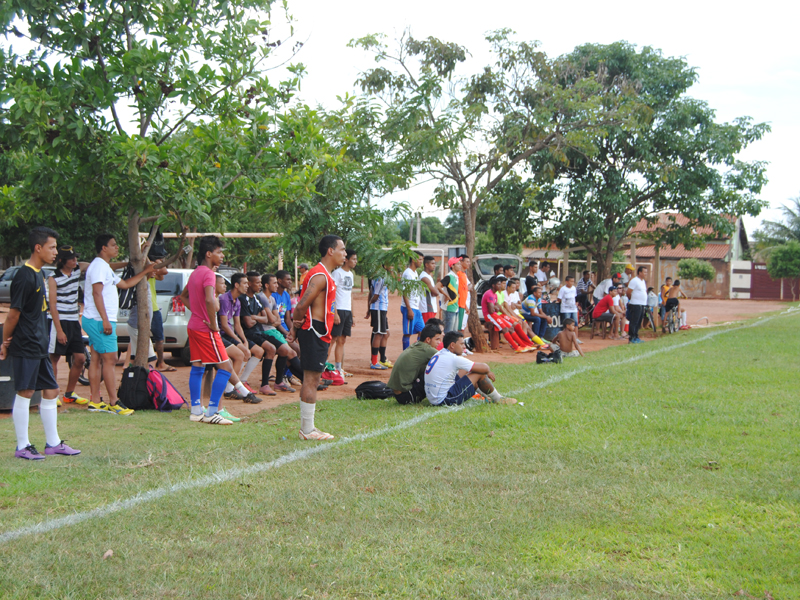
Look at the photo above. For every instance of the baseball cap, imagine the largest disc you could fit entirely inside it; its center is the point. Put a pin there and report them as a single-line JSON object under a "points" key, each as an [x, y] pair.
{"points": [[66, 252], [629, 266], [616, 276], [453, 261]]}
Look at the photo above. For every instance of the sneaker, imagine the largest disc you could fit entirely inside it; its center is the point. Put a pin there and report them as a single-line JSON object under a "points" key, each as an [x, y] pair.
{"points": [[59, 403], [196, 418], [226, 415], [344, 373], [248, 388], [387, 363], [215, 419], [120, 409], [315, 435], [98, 407], [30, 453], [521, 349], [73, 397], [266, 390], [61, 448], [252, 399], [284, 387], [295, 381], [379, 367]]}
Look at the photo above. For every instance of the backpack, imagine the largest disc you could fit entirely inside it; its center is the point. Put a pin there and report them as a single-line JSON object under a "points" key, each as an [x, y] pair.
{"points": [[133, 391], [373, 390], [163, 395], [334, 377], [127, 297]]}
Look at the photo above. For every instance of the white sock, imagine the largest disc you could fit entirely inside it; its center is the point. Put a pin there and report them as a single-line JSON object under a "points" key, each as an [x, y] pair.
{"points": [[241, 389], [21, 415], [228, 388], [495, 395], [248, 368], [307, 416], [48, 410], [683, 319], [337, 366]]}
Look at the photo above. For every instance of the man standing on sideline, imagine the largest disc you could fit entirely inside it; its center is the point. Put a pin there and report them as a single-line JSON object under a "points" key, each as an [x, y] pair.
{"points": [[637, 293], [302, 269], [430, 304], [378, 312], [100, 321], [205, 344], [343, 317], [312, 326], [25, 339], [532, 278], [412, 317], [448, 288], [464, 287]]}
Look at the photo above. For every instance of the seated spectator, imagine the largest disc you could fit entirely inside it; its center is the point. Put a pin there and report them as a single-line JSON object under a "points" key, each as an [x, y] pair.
{"points": [[511, 307], [621, 303], [532, 311], [451, 379], [652, 304], [567, 340], [513, 334], [605, 310], [602, 288], [508, 272], [408, 375]]}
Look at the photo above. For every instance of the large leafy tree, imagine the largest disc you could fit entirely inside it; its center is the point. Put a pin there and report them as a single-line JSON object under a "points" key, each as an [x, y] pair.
{"points": [[470, 133], [776, 233], [681, 161]]}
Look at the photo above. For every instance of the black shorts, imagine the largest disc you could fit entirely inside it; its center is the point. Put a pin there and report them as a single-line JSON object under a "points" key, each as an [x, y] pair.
{"points": [[33, 374], [380, 321], [606, 317], [313, 351], [345, 325], [415, 395], [74, 345], [257, 338], [671, 303], [228, 341]]}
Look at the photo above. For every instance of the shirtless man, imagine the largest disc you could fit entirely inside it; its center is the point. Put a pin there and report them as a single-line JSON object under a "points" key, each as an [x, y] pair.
{"points": [[567, 340], [312, 324], [673, 299]]}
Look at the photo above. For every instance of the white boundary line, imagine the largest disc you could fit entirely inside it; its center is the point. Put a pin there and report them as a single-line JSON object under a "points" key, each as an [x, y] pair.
{"points": [[296, 455]]}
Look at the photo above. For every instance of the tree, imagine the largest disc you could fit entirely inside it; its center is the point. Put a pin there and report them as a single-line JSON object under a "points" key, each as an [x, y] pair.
{"points": [[433, 231], [784, 262], [470, 134], [775, 233], [696, 270], [679, 160]]}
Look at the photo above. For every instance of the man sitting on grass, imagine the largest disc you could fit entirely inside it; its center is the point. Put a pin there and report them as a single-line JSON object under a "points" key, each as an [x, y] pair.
{"points": [[451, 379], [567, 340], [408, 376]]}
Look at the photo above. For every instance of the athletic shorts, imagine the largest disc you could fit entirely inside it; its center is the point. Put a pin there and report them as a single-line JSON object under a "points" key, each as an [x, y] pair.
{"points": [[380, 321], [345, 325], [462, 390], [206, 347], [257, 338], [98, 340], [278, 338], [415, 395], [227, 341], [499, 321], [411, 326], [33, 374], [427, 316], [74, 345], [671, 303], [157, 327], [606, 317], [313, 351]]}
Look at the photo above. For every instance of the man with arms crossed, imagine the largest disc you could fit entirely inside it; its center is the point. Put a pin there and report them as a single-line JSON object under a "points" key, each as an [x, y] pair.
{"points": [[451, 379], [412, 317], [637, 293], [343, 317], [25, 339], [312, 325], [408, 376]]}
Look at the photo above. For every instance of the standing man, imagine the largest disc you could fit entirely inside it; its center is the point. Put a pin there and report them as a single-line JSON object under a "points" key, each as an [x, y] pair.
{"points": [[25, 339], [412, 317], [532, 278], [637, 293], [343, 317], [302, 269], [205, 343], [448, 287], [312, 326], [100, 321], [544, 273], [567, 296], [378, 312], [464, 287], [628, 274], [430, 304]]}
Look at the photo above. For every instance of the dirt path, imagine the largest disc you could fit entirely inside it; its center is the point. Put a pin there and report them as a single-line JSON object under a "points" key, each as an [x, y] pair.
{"points": [[357, 352]]}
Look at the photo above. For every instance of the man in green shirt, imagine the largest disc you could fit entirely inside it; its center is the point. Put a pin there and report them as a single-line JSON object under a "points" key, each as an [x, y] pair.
{"points": [[448, 288], [408, 375]]}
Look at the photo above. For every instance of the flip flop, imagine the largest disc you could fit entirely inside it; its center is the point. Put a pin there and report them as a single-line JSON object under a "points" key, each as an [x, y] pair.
{"points": [[169, 369]]}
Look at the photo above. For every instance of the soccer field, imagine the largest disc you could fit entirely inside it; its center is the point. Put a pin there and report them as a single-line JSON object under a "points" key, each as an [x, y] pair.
{"points": [[665, 470]]}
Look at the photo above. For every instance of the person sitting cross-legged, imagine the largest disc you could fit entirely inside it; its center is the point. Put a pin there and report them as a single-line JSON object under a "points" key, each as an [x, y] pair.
{"points": [[408, 376], [451, 379]]}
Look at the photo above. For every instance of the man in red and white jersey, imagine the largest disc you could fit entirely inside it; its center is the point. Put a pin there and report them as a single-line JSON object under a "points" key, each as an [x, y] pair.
{"points": [[312, 325]]}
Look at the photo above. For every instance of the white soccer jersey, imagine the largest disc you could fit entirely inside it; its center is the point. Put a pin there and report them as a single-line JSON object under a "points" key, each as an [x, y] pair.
{"points": [[440, 374]]}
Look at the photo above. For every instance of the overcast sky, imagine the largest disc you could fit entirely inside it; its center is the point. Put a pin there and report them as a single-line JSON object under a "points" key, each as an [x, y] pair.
{"points": [[746, 54]]}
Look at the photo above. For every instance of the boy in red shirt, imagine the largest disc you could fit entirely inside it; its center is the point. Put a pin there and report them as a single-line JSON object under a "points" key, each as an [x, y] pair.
{"points": [[604, 310]]}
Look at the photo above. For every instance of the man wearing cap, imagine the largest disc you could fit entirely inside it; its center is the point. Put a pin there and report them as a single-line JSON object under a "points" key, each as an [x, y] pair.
{"points": [[448, 287], [604, 310], [628, 274], [601, 290]]}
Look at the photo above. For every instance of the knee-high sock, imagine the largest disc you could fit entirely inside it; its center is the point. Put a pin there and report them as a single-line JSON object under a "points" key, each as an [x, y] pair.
{"points": [[522, 335], [307, 416], [220, 381], [21, 415], [383, 353], [266, 367], [296, 368], [406, 341], [510, 339], [684, 318], [375, 350], [196, 388], [538, 340], [48, 411], [280, 369], [249, 366], [517, 339]]}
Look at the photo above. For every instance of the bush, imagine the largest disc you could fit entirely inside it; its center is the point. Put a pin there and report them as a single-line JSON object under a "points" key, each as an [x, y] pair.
{"points": [[784, 261], [694, 268]]}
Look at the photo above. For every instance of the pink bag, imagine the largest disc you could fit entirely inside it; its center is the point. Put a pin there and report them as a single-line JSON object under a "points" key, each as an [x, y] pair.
{"points": [[334, 377], [163, 394]]}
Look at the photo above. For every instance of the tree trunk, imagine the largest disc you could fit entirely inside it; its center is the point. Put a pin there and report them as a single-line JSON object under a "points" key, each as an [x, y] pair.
{"points": [[473, 322], [137, 259], [604, 265]]}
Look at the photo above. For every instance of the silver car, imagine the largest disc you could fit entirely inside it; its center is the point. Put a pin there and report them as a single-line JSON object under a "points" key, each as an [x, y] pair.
{"points": [[483, 270], [8, 275]]}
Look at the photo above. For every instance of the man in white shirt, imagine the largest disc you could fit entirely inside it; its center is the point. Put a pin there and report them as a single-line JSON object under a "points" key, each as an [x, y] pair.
{"points": [[343, 317], [450, 378], [430, 303], [566, 296], [637, 294], [602, 288], [412, 317], [628, 274]]}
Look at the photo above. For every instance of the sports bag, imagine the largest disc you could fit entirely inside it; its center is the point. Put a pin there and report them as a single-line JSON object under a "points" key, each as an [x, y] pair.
{"points": [[133, 391], [127, 296], [334, 377], [163, 395], [371, 390]]}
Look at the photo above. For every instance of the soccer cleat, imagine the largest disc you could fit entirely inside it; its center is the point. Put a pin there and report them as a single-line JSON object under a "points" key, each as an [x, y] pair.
{"points": [[387, 363], [315, 435], [58, 402], [295, 381], [119, 409], [73, 397], [379, 367], [252, 399], [215, 419], [196, 418], [29, 453], [266, 390], [283, 387], [226, 415], [248, 388], [60, 448], [521, 349], [98, 407]]}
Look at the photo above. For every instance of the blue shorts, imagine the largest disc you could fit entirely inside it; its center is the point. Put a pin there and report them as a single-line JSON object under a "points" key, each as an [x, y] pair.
{"points": [[462, 390], [157, 327], [98, 340], [412, 326]]}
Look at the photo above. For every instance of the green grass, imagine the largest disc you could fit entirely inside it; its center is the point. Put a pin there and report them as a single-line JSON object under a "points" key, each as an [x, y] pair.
{"points": [[673, 476]]}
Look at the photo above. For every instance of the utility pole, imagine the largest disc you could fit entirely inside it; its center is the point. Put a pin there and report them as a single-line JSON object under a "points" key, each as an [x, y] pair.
{"points": [[419, 228]]}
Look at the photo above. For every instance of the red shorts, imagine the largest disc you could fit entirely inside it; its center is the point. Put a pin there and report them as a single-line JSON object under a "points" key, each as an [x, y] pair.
{"points": [[499, 321], [206, 347], [426, 316]]}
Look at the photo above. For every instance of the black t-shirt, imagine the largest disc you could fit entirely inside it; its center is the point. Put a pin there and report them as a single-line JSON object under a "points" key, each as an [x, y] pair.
{"points": [[28, 295], [530, 283], [251, 307]]}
